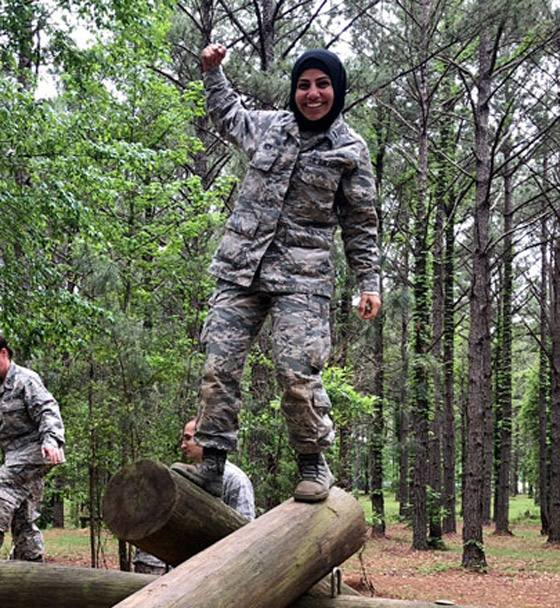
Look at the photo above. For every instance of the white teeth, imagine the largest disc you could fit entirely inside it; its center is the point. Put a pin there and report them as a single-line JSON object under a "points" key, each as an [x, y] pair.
{"points": [[314, 105]]}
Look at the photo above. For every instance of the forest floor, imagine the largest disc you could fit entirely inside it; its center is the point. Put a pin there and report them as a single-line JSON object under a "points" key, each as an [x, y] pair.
{"points": [[523, 569]]}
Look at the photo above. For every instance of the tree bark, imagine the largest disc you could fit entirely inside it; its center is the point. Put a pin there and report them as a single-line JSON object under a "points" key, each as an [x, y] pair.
{"points": [[420, 372], [479, 398], [435, 441], [403, 412], [449, 523], [270, 562], [554, 506], [543, 375], [504, 380], [378, 526]]}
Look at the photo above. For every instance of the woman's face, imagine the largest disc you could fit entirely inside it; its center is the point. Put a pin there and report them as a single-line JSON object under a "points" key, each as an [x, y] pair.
{"points": [[314, 95]]}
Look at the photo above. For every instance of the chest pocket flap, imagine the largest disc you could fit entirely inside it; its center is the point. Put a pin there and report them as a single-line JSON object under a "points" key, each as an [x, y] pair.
{"points": [[264, 157]]}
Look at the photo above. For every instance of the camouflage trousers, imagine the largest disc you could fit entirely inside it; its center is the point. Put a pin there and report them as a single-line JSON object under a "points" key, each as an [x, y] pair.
{"points": [[301, 346], [21, 492]]}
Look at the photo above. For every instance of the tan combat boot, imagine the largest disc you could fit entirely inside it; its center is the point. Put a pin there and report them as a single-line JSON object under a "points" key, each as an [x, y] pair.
{"points": [[315, 478]]}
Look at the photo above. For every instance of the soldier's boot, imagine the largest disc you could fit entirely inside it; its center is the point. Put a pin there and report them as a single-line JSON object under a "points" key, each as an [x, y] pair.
{"points": [[209, 474], [315, 478]]}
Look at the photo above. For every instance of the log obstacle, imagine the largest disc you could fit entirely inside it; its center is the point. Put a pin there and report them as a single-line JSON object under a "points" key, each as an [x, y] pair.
{"points": [[268, 563], [32, 585], [163, 513]]}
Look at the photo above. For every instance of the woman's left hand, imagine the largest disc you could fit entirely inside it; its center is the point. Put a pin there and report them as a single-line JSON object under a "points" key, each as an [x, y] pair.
{"points": [[369, 306]]}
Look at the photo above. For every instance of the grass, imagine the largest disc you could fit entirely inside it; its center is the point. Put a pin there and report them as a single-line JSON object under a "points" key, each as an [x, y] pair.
{"points": [[522, 509], [67, 543]]}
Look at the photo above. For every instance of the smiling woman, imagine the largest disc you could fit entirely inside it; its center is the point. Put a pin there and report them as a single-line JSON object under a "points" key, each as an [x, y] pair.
{"points": [[309, 174]]}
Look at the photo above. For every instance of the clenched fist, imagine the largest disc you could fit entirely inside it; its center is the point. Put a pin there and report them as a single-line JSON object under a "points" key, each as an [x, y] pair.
{"points": [[212, 56]]}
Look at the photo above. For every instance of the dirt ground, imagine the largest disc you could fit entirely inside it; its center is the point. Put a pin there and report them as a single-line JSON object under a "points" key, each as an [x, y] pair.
{"points": [[523, 570]]}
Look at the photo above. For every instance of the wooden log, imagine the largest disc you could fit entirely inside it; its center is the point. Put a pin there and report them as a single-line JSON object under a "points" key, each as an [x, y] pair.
{"points": [[31, 585], [163, 513], [267, 564]]}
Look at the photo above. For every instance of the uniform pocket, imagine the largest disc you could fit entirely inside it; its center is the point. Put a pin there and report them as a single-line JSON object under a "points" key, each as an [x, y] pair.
{"points": [[264, 157], [243, 222], [15, 417], [319, 178]]}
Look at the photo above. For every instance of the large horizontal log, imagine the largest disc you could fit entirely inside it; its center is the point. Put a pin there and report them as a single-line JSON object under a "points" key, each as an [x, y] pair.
{"points": [[268, 563], [163, 513], [31, 585]]}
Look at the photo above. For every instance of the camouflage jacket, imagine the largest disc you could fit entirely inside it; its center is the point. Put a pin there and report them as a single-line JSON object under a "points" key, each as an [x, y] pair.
{"points": [[299, 187], [29, 417]]}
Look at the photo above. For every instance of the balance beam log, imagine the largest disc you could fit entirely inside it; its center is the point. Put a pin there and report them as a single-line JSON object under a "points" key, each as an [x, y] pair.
{"points": [[268, 563], [163, 513], [32, 585]]}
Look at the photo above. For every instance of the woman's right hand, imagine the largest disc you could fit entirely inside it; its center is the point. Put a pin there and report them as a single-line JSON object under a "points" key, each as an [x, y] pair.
{"points": [[212, 56]]}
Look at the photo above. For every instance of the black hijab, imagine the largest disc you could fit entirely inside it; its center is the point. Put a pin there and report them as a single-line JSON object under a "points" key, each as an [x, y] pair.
{"points": [[330, 64]]}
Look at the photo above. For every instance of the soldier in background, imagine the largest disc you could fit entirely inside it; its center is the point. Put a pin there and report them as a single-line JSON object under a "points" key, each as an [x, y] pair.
{"points": [[237, 494], [309, 173], [31, 438]]}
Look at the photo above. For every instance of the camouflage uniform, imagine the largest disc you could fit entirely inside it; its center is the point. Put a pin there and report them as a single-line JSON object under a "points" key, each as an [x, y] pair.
{"points": [[237, 493], [275, 259], [29, 420]]}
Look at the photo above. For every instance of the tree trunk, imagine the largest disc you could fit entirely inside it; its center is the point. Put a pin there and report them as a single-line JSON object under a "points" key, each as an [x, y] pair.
{"points": [[543, 378], [270, 562], [435, 456], [479, 397], [378, 426], [420, 372], [449, 524], [403, 416], [504, 382], [554, 523]]}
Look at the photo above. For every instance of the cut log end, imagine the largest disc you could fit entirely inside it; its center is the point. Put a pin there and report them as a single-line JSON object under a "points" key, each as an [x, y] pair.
{"points": [[138, 499]]}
